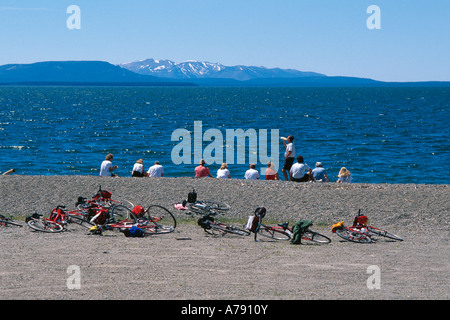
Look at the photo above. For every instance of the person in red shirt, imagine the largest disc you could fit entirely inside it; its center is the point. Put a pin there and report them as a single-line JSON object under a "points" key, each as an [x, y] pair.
{"points": [[270, 173], [202, 171]]}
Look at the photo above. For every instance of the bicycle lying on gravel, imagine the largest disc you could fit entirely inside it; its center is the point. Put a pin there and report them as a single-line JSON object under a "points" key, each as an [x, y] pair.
{"points": [[5, 221], [59, 218], [154, 220], [217, 228], [56, 222], [360, 231], [104, 199], [203, 207], [282, 231]]}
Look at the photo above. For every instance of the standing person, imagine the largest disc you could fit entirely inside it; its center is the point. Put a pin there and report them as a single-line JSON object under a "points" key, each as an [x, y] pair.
{"points": [[271, 174], [202, 171], [344, 176], [156, 170], [289, 155], [138, 169], [107, 168], [300, 172], [252, 173], [319, 173], [223, 172]]}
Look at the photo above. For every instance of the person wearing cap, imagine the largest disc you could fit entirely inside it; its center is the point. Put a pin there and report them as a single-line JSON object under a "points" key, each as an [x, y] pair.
{"points": [[107, 168], [319, 173], [138, 169], [202, 171]]}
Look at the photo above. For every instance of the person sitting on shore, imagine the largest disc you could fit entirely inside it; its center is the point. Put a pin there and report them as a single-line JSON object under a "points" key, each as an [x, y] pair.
{"points": [[156, 170], [271, 174], [201, 171], [252, 173], [138, 169], [344, 176], [319, 173], [107, 168], [223, 172], [300, 172]]}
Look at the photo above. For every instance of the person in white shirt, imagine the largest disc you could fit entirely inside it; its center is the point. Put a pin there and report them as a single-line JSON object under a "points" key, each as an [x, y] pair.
{"points": [[138, 169], [289, 155], [300, 172], [223, 172], [157, 170], [252, 173], [344, 176], [106, 167]]}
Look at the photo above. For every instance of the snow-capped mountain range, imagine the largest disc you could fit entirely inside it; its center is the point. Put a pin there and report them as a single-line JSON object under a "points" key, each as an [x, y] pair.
{"points": [[202, 70], [152, 72]]}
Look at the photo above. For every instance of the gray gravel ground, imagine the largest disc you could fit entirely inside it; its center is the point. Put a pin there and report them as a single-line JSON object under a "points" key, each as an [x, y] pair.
{"points": [[34, 265]]}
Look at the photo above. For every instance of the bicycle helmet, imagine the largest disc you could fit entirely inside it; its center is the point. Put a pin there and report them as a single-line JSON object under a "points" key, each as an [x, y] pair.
{"points": [[260, 212]]}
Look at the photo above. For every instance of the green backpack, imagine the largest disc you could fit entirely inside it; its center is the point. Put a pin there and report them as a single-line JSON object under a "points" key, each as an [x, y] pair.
{"points": [[300, 228]]}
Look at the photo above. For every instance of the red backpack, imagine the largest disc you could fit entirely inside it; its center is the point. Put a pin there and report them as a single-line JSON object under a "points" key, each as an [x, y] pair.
{"points": [[138, 211]]}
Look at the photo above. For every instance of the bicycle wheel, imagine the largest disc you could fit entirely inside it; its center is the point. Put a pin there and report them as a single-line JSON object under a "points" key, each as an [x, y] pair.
{"points": [[384, 233], [120, 213], [216, 205], [157, 220], [45, 226], [125, 203], [315, 237], [276, 233], [80, 220], [353, 235], [225, 228]]}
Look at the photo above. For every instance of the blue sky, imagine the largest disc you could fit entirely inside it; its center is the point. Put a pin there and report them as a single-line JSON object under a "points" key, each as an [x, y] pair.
{"points": [[325, 36]]}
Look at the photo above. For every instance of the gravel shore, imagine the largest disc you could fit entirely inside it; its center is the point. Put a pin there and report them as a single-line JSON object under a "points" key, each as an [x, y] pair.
{"points": [[34, 265]]}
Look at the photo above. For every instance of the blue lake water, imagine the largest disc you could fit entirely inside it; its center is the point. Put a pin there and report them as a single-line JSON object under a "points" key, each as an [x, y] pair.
{"points": [[382, 135]]}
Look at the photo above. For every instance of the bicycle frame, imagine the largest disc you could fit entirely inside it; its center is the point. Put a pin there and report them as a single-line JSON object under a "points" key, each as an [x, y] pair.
{"points": [[105, 201], [148, 224], [281, 229], [58, 215], [357, 234], [62, 217], [4, 221]]}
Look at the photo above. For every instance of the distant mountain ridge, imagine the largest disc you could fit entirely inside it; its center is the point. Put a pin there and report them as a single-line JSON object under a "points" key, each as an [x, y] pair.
{"points": [[73, 72], [151, 72], [192, 69]]}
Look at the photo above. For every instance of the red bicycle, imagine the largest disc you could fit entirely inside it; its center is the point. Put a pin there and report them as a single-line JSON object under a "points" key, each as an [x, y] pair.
{"points": [[104, 198], [360, 231], [154, 220], [59, 219], [56, 222]]}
